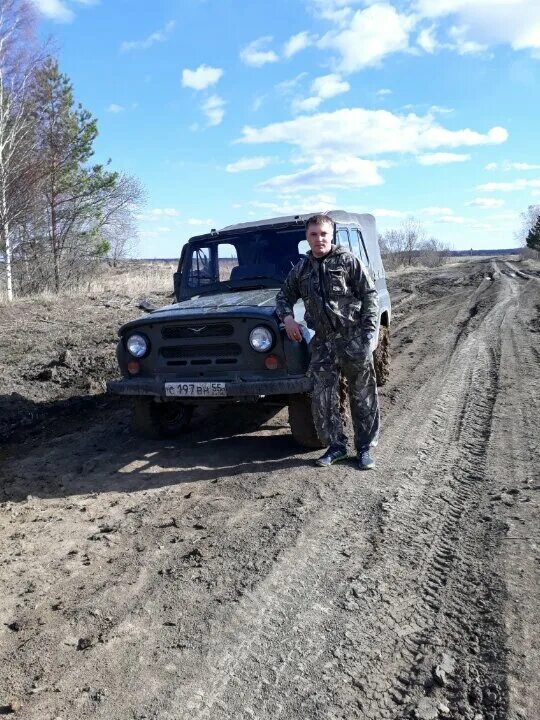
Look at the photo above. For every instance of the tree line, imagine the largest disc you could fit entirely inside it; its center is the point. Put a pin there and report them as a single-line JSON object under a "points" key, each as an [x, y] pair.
{"points": [[410, 244], [60, 213]]}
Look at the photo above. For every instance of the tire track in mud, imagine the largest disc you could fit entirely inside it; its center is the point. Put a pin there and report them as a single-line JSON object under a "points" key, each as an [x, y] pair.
{"points": [[419, 543], [433, 563]]}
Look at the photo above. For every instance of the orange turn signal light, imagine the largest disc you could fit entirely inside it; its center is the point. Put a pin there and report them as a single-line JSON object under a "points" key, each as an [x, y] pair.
{"points": [[271, 362], [133, 367]]}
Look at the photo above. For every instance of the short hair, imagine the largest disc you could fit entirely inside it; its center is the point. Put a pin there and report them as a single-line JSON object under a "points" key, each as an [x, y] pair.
{"points": [[320, 220]]}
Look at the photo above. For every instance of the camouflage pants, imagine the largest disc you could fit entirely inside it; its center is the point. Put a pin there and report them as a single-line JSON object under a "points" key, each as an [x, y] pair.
{"points": [[351, 358]]}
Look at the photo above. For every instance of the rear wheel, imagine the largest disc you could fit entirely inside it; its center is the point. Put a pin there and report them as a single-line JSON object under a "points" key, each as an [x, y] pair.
{"points": [[152, 420], [301, 421], [381, 356]]}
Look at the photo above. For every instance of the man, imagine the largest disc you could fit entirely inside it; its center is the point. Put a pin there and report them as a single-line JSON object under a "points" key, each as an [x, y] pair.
{"points": [[342, 308]]}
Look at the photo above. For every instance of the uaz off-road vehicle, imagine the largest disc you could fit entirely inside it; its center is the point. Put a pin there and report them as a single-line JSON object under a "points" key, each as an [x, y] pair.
{"points": [[221, 341]]}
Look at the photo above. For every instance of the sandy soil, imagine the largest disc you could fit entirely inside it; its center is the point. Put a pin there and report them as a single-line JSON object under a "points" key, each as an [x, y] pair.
{"points": [[223, 576]]}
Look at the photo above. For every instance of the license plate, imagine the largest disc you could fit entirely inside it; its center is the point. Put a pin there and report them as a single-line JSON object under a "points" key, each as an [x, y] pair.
{"points": [[195, 389]]}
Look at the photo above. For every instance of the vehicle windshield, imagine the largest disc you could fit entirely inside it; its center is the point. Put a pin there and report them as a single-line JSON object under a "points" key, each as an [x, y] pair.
{"points": [[261, 258]]}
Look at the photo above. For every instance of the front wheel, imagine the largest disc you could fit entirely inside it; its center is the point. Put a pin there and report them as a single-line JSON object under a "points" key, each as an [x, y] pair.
{"points": [[151, 419], [381, 356], [301, 421]]}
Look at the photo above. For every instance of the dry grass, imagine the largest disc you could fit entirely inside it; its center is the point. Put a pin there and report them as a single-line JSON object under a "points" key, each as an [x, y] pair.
{"points": [[131, 279]]}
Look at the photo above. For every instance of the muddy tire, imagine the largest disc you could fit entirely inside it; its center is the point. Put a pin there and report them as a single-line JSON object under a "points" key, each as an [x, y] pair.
{"points": [[301, 421], [154, 420], [381, 356]]}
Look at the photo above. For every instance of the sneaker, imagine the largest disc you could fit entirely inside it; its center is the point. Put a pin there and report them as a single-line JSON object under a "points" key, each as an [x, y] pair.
{"points": [[334, 454], [365, 461]]}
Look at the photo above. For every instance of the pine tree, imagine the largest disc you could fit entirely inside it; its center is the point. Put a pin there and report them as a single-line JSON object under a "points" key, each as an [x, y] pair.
{"points": [[75, 193], [533, 238]]}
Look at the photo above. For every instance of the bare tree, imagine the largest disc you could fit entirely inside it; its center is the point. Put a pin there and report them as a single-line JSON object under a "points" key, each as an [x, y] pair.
{"points": [[18, 61], [118, 229], [529, 218], [414, 236], [409, 245]]}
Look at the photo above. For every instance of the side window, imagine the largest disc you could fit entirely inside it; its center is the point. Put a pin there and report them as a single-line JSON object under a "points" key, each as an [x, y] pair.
{"points": [[359, 246], [342, 238], [363, 250], [355, 242], [227, 260], [200, 270]]}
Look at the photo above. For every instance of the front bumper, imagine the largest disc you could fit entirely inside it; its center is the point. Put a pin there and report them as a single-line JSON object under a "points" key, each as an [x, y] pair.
{"points": [[250, 388]]}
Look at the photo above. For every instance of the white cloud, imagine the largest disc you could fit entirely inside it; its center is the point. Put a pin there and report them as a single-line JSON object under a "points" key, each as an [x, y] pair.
{"points": [[165, 212], [322, 88], [152, 39], [337, 11], [371, 34], [201, 78], [200, 221], [488, 22], [383, 91], [368, 132], [251, 163], [255, 55], [214, 109], [288, 86], [58, 10], [442, 158], [520, 184], [114, 108], [507, 166], [453, 219], [520, 166], [486, 203], [151, 215], [387, 213], [461, 43], [55, 10], [427, 40], [296, 43], [154, 234], [309, 104], [337, 172], [328, 86], [440, 110], [297, 204]]}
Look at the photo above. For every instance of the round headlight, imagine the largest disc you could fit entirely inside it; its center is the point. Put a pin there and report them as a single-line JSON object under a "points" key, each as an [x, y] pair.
{"points": [[261, 339], [137, 345]]}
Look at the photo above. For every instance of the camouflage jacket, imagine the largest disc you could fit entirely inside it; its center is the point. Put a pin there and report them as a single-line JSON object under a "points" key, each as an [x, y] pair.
{"points": [[339, 296]]}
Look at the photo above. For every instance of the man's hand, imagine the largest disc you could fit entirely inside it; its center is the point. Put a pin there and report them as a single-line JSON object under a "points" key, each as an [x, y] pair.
{"points": [[292, 328]]}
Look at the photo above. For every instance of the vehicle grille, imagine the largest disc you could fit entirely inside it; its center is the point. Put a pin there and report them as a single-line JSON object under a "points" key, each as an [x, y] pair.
{"points": [[196, 330], [202, 351]]}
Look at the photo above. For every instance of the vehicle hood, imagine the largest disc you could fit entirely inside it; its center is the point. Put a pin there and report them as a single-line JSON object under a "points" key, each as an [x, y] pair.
{"points": [[239, 302]]}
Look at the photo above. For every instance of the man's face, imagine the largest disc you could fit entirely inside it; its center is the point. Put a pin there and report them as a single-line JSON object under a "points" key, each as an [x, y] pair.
{"points": [[320, 238]]}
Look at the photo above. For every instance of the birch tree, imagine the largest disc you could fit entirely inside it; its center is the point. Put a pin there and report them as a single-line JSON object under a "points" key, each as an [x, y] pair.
{"points": [[17, 67]]}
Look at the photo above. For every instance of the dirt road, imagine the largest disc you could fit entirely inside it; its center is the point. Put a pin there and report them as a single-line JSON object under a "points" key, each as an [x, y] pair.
{"points": [[222, 576]]}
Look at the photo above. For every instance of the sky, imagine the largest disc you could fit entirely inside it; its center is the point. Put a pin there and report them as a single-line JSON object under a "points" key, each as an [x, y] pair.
{"points": [[233, 110]]}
